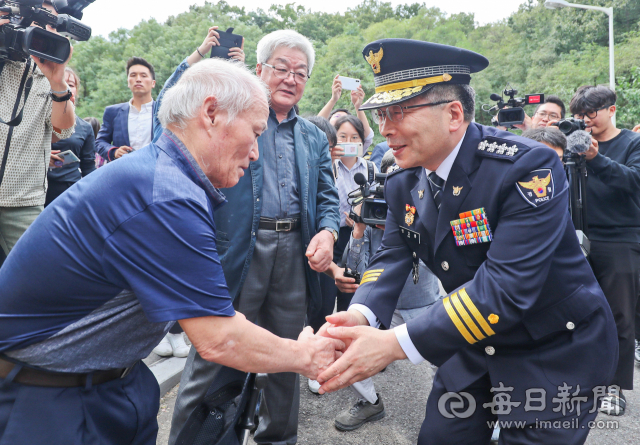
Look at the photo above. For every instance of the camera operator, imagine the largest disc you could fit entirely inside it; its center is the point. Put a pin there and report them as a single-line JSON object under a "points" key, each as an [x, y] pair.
{"points": [[613, 194], [25, 148], [552, 110]]}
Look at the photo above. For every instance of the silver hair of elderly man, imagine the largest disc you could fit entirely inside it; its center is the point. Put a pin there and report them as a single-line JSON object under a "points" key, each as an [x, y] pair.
{"points": [[235, 88], [289, 39]]}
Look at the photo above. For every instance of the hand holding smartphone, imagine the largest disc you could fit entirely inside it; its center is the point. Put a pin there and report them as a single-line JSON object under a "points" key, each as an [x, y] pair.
{"points": [[349, 83]]}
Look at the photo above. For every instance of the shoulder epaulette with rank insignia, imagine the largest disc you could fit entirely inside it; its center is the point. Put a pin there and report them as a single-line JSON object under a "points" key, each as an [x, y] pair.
{"points": [[501, 149], [393, 170]]}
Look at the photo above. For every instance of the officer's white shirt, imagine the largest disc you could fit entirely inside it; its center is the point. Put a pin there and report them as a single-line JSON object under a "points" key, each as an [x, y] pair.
{"points": [[402, 334], [140, 125]]}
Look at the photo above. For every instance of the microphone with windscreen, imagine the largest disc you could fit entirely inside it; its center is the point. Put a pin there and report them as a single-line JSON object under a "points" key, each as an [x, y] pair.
{"points": [[578, 142]]}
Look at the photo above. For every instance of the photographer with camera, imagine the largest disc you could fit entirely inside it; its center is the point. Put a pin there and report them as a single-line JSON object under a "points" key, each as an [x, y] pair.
{"points": [[613, 194], [552, 110], [35, 105]]}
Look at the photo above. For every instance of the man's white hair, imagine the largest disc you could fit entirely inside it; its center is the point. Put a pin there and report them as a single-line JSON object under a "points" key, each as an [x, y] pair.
{"points": [[289, 39], [235, 88]]}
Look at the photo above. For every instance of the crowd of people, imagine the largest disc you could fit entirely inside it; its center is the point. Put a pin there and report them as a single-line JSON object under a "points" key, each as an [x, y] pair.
{"points": [[137, 234]]}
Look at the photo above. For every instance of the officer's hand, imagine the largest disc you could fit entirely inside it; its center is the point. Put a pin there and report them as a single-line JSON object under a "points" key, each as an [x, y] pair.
{"points": [[593, 150], [322, 352], [368, 351], [320, 251]]}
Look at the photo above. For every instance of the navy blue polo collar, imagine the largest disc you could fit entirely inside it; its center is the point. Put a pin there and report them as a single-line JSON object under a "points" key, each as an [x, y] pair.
{"points": [[176, 150]]}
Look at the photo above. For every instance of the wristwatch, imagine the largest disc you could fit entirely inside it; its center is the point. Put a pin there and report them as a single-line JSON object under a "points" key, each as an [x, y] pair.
{"points": [[333, 232]]}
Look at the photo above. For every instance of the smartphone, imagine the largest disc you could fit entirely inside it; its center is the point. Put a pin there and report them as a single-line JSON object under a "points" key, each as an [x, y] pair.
{"points": [[351, 148], [227, 41], [349, 83], [68, 157]]}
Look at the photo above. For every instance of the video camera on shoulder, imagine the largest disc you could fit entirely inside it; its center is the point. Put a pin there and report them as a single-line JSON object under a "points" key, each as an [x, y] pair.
{"points": [[19, 39], [511, 113], [371, 196]]}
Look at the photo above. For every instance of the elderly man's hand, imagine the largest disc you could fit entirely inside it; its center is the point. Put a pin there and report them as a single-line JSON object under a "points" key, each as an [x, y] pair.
{"points": [[320, 251], [320, 352], [369, 351]]}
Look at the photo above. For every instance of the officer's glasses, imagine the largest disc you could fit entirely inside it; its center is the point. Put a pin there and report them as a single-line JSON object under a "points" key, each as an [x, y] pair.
{"points": [[590, 114], [282, 72], [550, 116], [395, 114]]}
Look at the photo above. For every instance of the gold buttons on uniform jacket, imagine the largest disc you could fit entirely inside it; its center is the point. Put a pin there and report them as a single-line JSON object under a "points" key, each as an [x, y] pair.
{"points": [[490, 350], [445, 266]]}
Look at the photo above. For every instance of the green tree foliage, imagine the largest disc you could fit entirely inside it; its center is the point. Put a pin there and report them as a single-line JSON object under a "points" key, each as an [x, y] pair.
{"points": [[535, 50]]}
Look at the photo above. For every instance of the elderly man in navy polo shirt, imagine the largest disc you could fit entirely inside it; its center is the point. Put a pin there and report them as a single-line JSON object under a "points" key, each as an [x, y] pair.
{"points": [[101, 275]]}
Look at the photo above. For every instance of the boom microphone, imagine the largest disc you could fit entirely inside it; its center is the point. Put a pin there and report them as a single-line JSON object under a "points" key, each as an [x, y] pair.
{"points": [[578, 142]]}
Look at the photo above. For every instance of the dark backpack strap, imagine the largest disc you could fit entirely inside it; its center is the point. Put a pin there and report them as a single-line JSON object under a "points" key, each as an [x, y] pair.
{"points": [[16, 121], [25, 84], [371, 171]]}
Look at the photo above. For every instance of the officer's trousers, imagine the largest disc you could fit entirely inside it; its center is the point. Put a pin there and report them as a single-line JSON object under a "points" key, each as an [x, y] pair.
{"points": [[476, 428], [122, 411]]}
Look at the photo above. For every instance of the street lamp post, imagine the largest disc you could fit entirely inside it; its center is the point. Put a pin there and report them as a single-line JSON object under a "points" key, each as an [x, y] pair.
{"points": [[555, 4]]}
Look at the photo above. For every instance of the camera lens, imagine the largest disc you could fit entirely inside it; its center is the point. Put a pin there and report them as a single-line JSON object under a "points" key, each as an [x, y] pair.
{"points": [[565, 126], [380, 212]]}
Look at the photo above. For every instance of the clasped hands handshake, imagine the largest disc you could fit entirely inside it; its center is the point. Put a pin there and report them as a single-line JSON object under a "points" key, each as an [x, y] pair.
{"points": [[347, 350]]}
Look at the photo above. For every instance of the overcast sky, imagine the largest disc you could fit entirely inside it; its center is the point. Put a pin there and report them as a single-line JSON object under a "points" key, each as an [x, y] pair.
{"points": [[105, 16]]}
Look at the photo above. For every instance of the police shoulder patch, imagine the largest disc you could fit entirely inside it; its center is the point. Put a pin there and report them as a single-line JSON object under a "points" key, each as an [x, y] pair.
{"points": [[537, 187]]}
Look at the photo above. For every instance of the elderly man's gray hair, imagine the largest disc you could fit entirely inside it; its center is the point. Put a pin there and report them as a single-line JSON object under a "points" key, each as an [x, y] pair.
{"points": [[235, 88], [547, 135], [289, 39]]}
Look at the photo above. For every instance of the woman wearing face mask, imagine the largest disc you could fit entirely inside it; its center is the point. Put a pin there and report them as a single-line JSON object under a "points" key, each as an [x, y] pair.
{"points": [[82, 144]]}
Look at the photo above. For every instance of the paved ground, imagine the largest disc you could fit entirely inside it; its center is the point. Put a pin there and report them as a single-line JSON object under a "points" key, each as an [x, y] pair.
{"points": [[404, 389]]}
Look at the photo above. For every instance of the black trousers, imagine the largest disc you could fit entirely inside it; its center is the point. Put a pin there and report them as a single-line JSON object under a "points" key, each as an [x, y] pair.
{"points": [[617, 269], [330, 292], [55, 189]]}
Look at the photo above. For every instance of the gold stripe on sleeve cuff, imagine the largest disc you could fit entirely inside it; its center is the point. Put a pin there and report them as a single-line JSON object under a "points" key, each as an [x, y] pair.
{"points": [[456, 321], [476, 313], [465, 316]]}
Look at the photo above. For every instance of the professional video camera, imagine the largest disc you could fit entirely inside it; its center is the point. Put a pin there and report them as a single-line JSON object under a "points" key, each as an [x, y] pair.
{"points": [[374, 207], [511, 113], [575, 165], [19, 39]]}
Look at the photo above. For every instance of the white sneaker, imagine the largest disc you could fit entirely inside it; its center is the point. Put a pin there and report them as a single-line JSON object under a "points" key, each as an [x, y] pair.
{"points": [[178, 346], [314, 386], [164, 348]]}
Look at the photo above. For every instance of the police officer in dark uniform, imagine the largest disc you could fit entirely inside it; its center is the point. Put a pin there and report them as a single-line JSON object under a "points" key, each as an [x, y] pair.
{"points": [[525, 333]]}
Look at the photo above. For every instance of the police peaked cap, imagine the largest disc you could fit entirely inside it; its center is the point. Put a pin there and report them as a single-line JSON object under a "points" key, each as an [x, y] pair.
{"points": [[404, 68]]}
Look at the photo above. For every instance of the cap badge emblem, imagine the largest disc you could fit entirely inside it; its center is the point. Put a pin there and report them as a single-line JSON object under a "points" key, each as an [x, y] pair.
{"points": [[374, 60]]}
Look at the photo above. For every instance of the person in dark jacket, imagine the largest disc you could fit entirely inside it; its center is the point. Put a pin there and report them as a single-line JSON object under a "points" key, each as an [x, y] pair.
{"points": [[82, 144]]}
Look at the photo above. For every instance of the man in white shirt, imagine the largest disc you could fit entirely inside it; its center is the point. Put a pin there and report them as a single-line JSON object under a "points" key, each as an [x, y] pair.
{"points": [[128, 126]]}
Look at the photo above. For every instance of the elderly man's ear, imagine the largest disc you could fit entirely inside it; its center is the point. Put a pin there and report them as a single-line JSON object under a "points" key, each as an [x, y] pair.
{"points": [[211, 113]]}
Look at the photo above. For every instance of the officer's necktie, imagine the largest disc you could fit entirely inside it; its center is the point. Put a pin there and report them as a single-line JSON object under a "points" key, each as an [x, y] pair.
{"points": [[436, 183]]}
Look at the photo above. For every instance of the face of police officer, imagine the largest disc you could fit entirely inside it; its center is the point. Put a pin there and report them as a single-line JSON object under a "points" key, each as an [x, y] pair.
{"points": [[229, 147], [546, 114], [425, 136]]}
